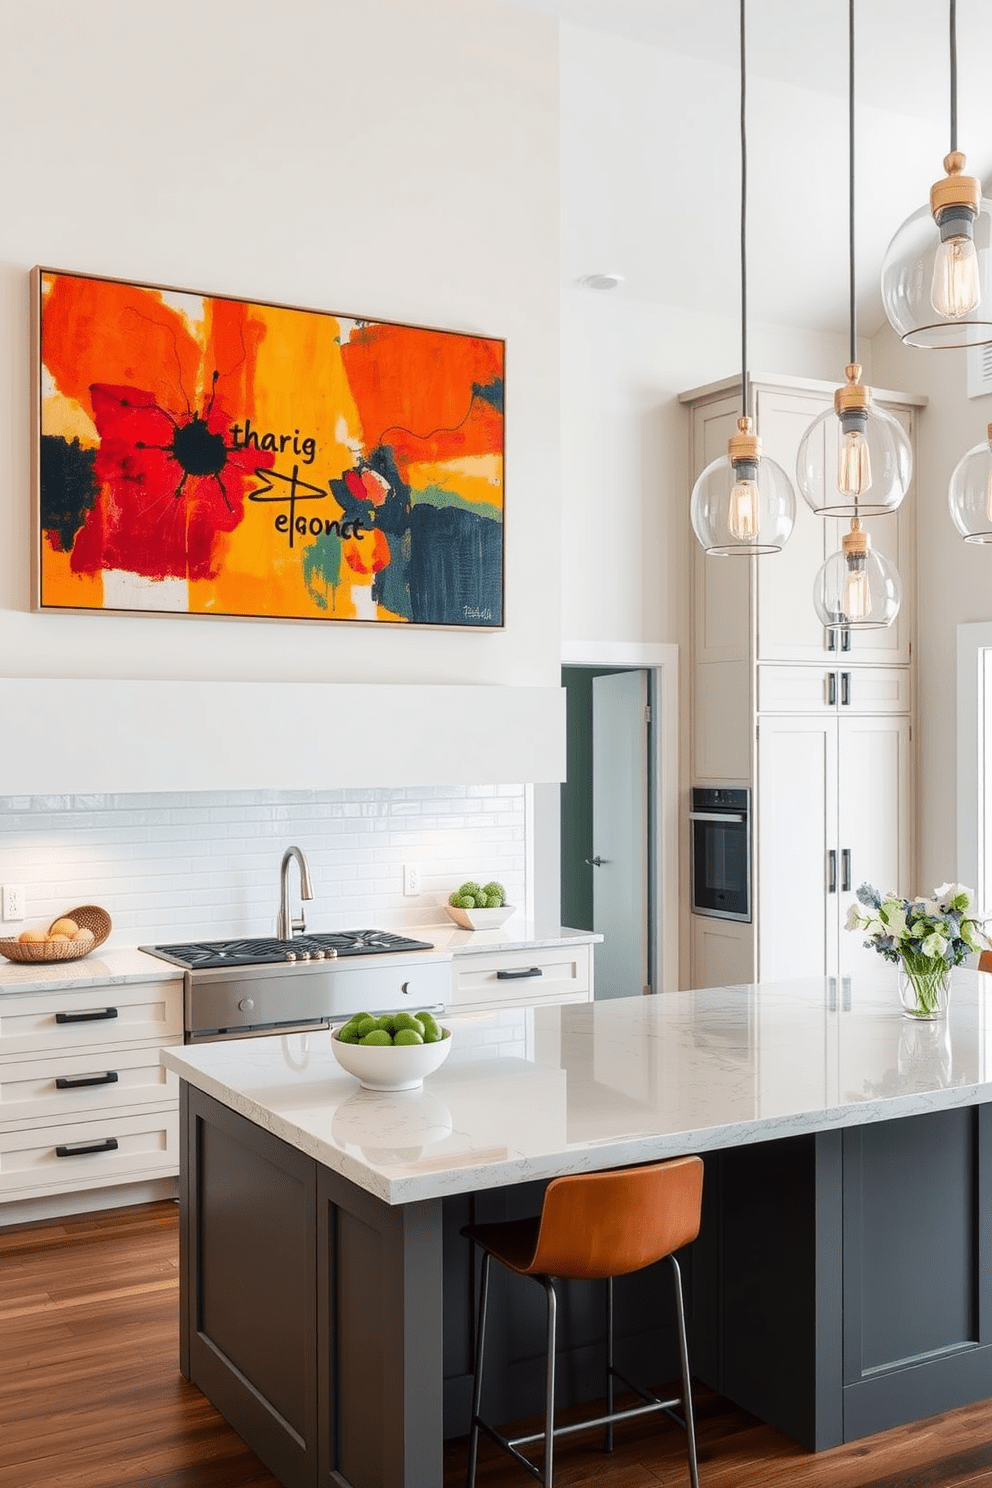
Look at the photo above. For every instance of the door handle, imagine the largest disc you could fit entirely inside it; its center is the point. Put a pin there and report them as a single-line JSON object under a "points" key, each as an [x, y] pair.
{"points": [[845, 871], [519, 976], [597, 861], [845, 689], [831, 640], [831, 688], [845, 644], [832, 871]]}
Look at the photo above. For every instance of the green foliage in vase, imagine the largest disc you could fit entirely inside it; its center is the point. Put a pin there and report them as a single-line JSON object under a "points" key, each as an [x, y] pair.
{"points": [[941, 928]]}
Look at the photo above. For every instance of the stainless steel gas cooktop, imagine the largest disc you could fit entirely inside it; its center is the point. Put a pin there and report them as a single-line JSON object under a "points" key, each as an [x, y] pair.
{"points": [[269, 950]]}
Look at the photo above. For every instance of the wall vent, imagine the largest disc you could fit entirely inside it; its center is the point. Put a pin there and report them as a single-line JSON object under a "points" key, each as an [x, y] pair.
{"points": [[979, 371]]}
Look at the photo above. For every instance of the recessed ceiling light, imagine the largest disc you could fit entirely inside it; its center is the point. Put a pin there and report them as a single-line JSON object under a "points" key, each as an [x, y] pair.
{"points": [[601, 281]]}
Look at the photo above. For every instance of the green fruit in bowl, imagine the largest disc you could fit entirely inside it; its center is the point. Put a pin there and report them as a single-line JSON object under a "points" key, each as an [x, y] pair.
{"points": [[408, 1036], [377, 1039]]}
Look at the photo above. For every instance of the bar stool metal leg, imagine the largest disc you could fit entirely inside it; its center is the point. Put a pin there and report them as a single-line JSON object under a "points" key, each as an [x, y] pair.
{"points": [[690, 1424], [480, 1339], [549, 1399], [608, 1443]]}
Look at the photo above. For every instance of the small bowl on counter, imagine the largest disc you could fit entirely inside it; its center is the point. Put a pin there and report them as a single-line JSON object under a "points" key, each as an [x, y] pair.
{"points": [[391, 1066], [62, 941], [481, 919]]}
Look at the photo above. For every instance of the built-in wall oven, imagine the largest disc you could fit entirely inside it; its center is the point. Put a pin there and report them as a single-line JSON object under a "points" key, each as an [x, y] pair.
{"points": [[720, 821]]}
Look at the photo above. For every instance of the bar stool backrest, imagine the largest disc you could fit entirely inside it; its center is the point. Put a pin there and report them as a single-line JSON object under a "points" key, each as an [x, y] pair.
{"points": [[595, 1225], [985, 960]]}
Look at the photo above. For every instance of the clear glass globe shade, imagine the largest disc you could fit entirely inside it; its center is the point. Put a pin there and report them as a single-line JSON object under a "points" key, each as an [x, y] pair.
{"points": [[969, 494], [857, 596], [886, 466], [908, 284], [727, 521]]}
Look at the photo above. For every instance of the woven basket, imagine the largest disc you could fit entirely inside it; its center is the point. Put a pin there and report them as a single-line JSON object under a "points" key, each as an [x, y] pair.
{"points": [[88, 916]]}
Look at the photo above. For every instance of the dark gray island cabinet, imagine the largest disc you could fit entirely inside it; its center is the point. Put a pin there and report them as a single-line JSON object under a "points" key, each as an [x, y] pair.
{"points": [[840, 1284]]}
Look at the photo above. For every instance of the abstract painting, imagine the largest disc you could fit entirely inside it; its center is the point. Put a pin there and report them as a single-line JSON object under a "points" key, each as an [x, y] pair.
{"points": [[207, 455]]}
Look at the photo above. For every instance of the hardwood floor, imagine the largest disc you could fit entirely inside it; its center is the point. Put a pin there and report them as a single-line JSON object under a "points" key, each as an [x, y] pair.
{"points": [[91, 1395]]}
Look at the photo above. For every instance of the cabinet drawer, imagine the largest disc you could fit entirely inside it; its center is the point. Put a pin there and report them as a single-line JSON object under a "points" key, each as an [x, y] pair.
{"points": [[143, 1144], [833, 689], [557, 974], [53, 1022], [81, 1084]]}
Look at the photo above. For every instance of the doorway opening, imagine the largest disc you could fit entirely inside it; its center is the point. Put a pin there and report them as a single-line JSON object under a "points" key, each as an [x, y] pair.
{"points": [[609, 822]]}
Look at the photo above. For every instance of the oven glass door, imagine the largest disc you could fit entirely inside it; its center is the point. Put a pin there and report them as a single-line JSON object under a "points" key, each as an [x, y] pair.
{"points": [[721, 866]]}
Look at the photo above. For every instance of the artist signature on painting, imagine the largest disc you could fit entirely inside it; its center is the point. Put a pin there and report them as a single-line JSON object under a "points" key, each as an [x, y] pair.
{"points": [[473, 613]]}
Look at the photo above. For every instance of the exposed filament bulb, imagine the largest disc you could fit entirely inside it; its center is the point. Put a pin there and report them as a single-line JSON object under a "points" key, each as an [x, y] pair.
{"points": [[956, 289], [742, 518], [853, 464]]}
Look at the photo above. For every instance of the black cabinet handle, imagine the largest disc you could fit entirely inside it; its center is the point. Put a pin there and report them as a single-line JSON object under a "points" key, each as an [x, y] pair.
{"points": [[832, 871], [517, 976], [76, 1082], [831, 687], [83, 1149], [845, 871], [845, 689], [831, 640], [92, 1015], [845, 644]]}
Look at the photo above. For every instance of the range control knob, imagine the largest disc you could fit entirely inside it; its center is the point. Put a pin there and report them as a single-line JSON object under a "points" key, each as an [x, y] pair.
{"points": [[332, 954], [319, 955], [305, 956], [290, 955], [247, 1005]]}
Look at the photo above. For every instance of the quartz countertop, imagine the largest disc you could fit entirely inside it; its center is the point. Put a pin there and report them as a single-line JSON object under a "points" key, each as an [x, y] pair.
{"points": [[516, 935], [534, 1092], [104, 967]]}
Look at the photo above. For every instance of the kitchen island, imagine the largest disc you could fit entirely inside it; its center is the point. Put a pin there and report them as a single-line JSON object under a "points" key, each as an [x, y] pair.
{"points": [[836, 1288]]}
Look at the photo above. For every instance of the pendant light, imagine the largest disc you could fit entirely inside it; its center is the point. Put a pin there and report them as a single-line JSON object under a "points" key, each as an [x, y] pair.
{"points": [[936, 272], [743, 503], [855, 459], [969, 495], [857, 588]]}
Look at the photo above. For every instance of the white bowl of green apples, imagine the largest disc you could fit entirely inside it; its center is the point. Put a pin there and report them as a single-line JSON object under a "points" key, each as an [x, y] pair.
{"points": [[477, 906], [394, 1051]]}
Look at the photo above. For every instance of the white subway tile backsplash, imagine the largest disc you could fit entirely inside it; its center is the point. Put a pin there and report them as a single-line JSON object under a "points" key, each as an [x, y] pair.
{"points": [[178, 864]]}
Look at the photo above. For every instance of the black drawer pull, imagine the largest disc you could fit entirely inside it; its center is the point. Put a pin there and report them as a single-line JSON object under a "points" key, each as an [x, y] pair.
{"points": [[92, 1015], [519, 976], [83, 1149], [76, 1082]]}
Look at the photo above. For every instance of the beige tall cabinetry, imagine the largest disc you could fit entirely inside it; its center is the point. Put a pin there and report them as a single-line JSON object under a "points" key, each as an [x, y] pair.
{"points": [[817, 723]]}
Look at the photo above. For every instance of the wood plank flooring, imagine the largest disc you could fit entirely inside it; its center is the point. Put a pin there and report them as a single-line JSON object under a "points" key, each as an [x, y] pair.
{"points": [[91, 1395]]}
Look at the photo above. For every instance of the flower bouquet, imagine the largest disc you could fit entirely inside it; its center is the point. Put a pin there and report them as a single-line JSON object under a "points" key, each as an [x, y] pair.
{"points": [[925, 937]]}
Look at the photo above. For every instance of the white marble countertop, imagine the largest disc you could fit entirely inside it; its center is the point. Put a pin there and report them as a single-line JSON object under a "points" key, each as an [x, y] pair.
{"points": [[535, 1092], [516, 935], [107, 966]]}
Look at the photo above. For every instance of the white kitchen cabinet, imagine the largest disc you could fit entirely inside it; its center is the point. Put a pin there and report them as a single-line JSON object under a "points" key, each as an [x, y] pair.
{"points": [[486, 981], [817, 723], [834, 810], [84, 1101]]}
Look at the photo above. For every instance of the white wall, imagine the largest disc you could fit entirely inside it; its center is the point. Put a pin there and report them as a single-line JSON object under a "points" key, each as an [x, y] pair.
{"points": [[389, 158], [954, 580], [625, 467]]}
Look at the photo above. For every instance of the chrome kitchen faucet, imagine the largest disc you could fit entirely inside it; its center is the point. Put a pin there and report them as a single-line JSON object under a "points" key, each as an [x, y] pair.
{"points": [[285, 924]]}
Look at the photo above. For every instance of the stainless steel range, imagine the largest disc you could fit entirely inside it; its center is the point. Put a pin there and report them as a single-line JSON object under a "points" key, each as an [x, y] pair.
{"points": [[240, 988]]}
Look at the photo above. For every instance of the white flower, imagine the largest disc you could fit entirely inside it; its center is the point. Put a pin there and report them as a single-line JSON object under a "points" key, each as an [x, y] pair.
{"points": [[853, 918], [895, 919], [955, 896], [935, 944]]}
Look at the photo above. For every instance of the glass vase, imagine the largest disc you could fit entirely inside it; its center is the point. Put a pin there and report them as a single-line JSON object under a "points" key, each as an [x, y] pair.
{"points": [[924, 987]]}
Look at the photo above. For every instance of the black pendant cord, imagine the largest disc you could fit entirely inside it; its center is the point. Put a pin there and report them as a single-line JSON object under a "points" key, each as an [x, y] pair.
{"points": [[850, 166], [745, 410], [954, 74]]}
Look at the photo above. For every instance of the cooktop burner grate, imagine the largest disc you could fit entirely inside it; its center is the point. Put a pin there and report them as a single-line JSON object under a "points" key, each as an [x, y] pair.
{"points": [[211, 953]]}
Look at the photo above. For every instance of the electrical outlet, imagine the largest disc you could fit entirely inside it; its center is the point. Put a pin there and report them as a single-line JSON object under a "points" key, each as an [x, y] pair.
{"points": [[13, 901], [411, 878]]}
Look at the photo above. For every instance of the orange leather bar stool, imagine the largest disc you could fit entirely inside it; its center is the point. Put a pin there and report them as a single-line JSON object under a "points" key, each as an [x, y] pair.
{"points": [[985, 961], [594, 1226]]}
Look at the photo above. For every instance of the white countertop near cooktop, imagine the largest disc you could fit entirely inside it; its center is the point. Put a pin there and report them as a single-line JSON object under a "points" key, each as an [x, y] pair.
{"points": [[116, 965], [531, 1093]]}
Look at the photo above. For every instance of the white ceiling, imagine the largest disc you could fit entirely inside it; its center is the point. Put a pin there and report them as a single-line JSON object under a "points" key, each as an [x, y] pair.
{"points": [[651, 153]]}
